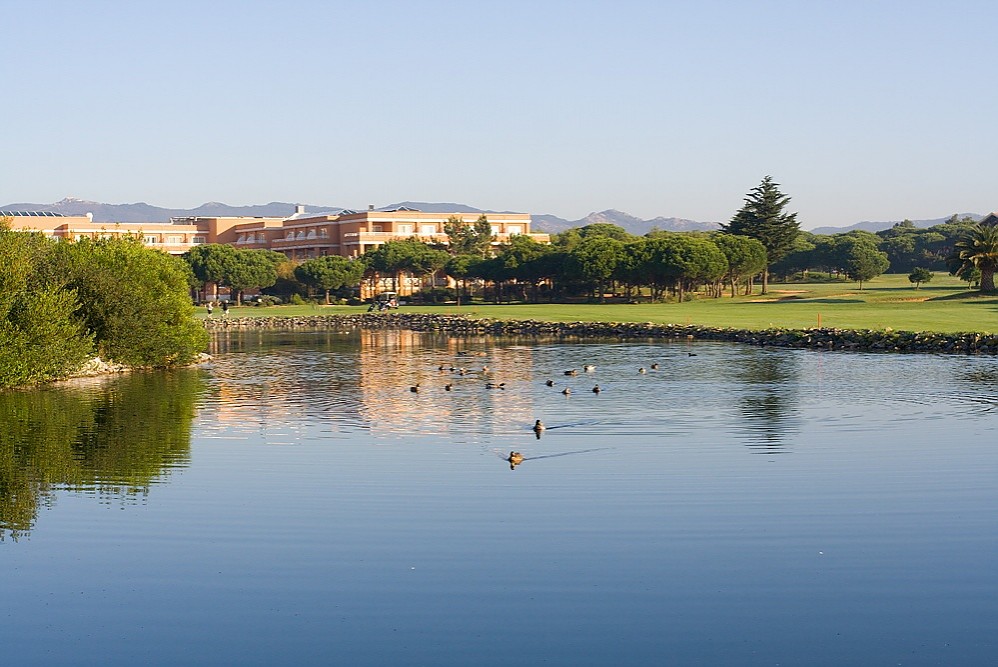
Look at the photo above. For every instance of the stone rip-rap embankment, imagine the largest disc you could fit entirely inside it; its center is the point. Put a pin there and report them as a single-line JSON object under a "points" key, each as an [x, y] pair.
{"points": [[815, 339]]}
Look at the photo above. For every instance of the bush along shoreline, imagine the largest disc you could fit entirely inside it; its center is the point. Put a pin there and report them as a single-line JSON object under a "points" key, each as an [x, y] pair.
{"points": [[814, 339]]}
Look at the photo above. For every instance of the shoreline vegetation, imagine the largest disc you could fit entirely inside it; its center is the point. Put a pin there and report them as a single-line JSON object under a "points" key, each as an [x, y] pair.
{"points": [[886, 340]]}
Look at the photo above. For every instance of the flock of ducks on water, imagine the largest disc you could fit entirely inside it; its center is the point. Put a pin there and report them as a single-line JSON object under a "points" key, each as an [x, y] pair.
{"points": [[516, 458]]}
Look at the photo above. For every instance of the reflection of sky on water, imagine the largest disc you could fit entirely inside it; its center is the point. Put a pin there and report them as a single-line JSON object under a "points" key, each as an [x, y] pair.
{"points": [[328, 514]]}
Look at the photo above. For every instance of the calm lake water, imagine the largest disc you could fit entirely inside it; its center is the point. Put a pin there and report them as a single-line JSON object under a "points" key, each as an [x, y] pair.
{"points": [[295, 503]]}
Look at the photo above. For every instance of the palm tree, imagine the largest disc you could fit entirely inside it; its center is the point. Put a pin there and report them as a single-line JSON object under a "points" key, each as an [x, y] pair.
{"points": [[978, 249]]}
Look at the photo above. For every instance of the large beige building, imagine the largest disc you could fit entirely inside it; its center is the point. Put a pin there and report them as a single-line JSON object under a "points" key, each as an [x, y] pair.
{"points": [[299, 236]]}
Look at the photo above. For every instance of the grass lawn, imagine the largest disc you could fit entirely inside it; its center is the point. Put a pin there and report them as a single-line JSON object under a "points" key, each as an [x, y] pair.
{"points": [[945, 305]]}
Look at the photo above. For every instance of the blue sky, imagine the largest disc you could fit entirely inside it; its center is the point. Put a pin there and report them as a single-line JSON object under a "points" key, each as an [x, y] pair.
{"points": [[860, 110]]}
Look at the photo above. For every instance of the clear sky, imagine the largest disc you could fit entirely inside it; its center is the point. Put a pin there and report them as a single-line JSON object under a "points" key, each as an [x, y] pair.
{"points": [[861, 110]]}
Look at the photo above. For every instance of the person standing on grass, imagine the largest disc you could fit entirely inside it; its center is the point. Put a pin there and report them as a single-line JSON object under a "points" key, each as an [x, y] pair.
{"points": [[209, 307], [225, 309]]}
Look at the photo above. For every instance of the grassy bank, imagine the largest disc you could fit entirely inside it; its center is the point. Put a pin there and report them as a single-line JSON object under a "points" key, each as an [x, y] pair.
{"points": [[945, 305]]}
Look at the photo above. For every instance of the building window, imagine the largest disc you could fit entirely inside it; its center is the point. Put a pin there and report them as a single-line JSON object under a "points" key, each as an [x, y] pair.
{"points": [[495, 229], [513, 230], [150, 240], [405, 230], [427, 230], [198, 240], [323, 233], [376, 228], [175, 240], [290, 236]]}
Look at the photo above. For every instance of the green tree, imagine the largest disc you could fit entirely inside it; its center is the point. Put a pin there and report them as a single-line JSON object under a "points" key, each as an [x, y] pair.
{"points": [[329, 273], [522, 259], [919, 276], [746, 257], [762, 217], [134, 300], [465, 239], [692, 260], [41, 336], [211, 264], [411, 256], [606, 229], [251, 269], [460, 268], [861, 260], [977, 249], [595, 260]]}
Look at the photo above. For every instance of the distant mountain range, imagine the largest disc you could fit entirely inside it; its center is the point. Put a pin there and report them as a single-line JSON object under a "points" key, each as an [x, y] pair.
{"points": [[880, 226], [142, 212]]}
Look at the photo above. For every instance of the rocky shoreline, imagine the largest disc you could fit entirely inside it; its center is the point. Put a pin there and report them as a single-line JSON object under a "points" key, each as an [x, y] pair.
{"points": [[815, 339]]}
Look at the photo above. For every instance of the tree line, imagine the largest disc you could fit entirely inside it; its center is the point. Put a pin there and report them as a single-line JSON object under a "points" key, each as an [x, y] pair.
{"points": [[761, 239]]}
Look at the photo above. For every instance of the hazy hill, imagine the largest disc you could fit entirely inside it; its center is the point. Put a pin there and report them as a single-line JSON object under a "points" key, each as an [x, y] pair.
{"points": [[635, 225], [869, 226], [142, 212]]}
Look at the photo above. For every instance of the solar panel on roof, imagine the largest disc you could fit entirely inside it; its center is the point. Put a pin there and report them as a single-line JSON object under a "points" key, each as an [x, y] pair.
{"points": [[31, 214]]}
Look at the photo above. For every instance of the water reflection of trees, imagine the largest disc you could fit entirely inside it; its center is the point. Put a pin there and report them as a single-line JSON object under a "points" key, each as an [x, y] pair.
{"points": [[113, 438], [769, 404]]}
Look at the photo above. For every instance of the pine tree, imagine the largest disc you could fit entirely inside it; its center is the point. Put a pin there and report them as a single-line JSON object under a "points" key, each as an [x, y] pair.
{"points": [[762, 218]]}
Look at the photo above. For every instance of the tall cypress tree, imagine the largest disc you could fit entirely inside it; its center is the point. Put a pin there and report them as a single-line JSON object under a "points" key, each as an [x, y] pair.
{"points": [[762, 218]]}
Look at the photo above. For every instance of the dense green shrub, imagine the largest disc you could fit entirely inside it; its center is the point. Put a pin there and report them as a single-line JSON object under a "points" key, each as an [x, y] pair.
{"points": [[62, 302], [134, 300], [40, 336]]}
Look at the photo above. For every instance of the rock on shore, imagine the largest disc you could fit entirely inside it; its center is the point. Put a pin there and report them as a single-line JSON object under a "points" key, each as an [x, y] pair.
{"points": [[816, 339]]}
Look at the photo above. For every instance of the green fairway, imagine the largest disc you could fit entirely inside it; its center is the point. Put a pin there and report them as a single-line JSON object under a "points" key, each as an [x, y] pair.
{"points": [[945, 305]]}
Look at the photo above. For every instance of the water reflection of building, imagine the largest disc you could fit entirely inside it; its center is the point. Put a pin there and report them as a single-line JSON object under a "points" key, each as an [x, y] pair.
{"points": [[394, 361], [364, 377]]}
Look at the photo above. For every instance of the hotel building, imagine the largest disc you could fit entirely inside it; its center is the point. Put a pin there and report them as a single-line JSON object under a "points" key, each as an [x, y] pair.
{"points": [[300, 236]]}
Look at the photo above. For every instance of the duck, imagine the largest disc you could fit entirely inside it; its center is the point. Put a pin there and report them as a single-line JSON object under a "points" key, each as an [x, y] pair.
{"points": [[692, 354], [515, 459], [572, 372], [448, 386], [589, 368], [596, 389], [495, 385], [539, 426], [654, 367], [642, 370], [566, 391], [441, 367], [414, 388], [549, 383]]}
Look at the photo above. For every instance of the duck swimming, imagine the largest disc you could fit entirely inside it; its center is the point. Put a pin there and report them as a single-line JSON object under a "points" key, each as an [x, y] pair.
{"points": [[589, 368], [539, 426], [572, 372], [515, 459], [596, 389], [566, 391], [549, 383]]}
